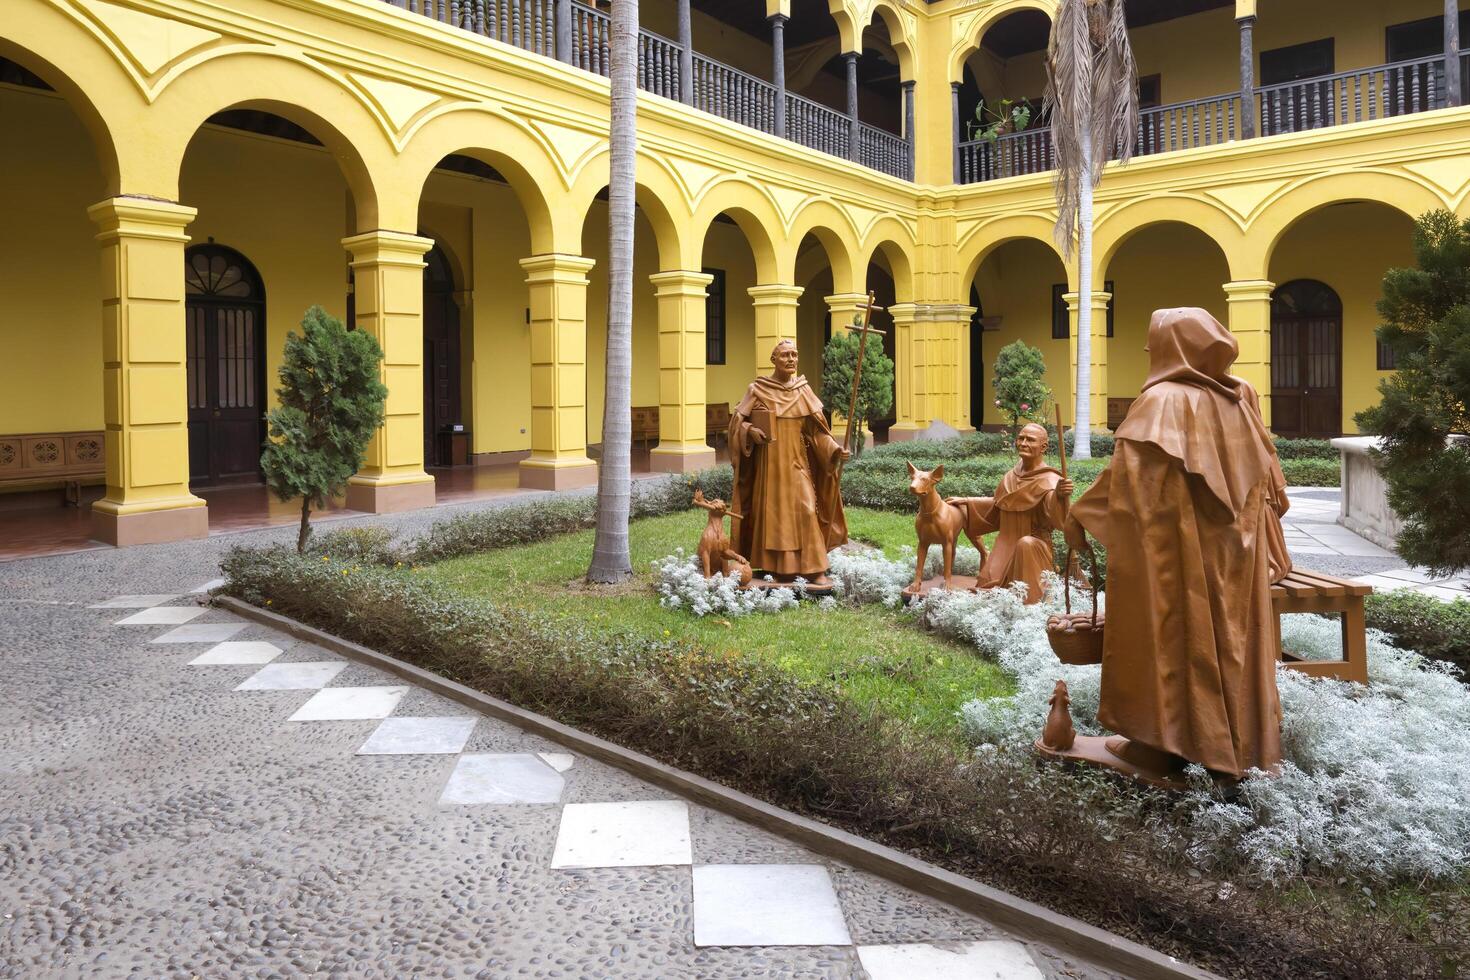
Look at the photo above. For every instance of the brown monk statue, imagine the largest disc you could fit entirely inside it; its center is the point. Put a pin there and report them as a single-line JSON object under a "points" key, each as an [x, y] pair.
{"points": [[786, 476], [1029, 504], [1185, 510]]}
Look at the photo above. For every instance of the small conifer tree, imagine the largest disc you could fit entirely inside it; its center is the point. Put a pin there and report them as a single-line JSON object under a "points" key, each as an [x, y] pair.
{"points": [[1426, 402], [1020, 389], [331, 403], [875, 394]]}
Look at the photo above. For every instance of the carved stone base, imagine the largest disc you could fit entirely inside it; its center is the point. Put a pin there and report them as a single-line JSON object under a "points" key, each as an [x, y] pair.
{"points": [[149, 527], [662, 460], [1127, 758], [815, 591], [957, 583], [537, 476], [390, 498]]}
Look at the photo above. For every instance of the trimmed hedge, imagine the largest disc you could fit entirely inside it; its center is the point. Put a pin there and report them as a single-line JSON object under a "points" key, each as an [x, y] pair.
{"points": [[1416, 621]]}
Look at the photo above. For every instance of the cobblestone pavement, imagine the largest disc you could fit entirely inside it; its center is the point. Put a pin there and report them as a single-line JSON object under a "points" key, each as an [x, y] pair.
{"points": [[190, 794], [1319, 543]]}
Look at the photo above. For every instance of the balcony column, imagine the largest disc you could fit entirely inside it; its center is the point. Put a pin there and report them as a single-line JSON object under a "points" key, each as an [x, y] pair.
{"points": [[558, 287], [563, 17], [775, 318], [144, 378], [681, 380], [388, 303], [842, 309], [778, 69], [908, 121], [1452, 52], [954, 127], [1100, 302], [1247, 77], [686, 55], [911, 403], [1250, 321], [851, 58]]}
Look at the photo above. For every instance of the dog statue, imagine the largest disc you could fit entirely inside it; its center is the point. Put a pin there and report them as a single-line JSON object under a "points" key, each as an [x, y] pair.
{"points": [[715, 554], [1058, 733], [938, 522]]}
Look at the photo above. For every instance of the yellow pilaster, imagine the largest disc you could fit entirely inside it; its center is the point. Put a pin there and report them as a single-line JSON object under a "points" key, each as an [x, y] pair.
{"points": [[1250, 321], [1099, 359], [558, 286], [911, 394], [388, 298], [842, 309], [145, 407], [775, 319], [949, 364], [681, 382]]}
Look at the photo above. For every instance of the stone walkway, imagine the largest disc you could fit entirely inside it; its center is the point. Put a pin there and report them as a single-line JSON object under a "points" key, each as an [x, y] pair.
{"points": [[191, 794], [1318, 542]]}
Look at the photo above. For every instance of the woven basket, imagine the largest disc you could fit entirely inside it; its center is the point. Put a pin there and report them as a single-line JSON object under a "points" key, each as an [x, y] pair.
{"points": [[1076, 638]]}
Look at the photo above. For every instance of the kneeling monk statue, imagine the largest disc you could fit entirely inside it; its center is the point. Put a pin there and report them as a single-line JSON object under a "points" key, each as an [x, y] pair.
{"points": [[1187, 510], [786, 476], [1029, 504]]}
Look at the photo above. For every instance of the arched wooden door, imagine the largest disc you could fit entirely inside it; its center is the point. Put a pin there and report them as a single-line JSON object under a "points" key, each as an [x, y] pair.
{"points": [[1306, 360], [224, 302], [441, 358]]}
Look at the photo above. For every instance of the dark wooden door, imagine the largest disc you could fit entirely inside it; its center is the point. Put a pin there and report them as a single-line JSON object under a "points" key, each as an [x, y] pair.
{"points": [[225, 348], [441, 357], [1306, 360]]}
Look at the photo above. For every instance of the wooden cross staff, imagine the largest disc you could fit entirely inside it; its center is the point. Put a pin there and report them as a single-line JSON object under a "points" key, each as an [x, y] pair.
{"points": [[857, 374]]}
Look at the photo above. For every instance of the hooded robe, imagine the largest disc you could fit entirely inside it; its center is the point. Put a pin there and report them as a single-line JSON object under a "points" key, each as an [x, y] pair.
{"points": [[1025, 510], [786, 490], [1184, 510]]}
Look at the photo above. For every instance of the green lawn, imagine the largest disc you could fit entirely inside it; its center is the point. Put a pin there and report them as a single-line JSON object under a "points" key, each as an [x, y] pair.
{"points": [[874, 655]]}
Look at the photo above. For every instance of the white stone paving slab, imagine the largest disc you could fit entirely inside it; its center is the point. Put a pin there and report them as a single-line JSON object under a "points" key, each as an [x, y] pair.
{"points": [[1410, 574], [1382, 584], [766, 905], [200, 633], [995, 959], [560, 761], [350, 704], [213, 583], [163, 616], [293, 677], [237, 652], [623, 835], [420, 736], [502, 778], [132, 602]]}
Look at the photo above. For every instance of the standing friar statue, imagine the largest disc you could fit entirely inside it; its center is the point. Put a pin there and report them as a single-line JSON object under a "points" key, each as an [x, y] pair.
{"points": [[787, 477]]}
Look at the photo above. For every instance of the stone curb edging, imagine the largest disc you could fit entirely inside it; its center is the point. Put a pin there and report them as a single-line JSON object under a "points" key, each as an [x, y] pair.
{"points": [[1018, 915]]}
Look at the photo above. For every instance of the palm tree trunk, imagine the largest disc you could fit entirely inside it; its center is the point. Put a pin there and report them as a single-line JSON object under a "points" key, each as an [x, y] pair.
{"points": [[1082, 448], [610, 560]]}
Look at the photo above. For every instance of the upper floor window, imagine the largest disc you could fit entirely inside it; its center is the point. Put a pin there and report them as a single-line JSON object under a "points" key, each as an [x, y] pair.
{"points": [[1419, 38], [1281, 65], [714, 318]]}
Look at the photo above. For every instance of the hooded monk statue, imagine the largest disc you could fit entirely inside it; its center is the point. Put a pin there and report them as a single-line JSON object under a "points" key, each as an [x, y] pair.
{"points": [[1188, 510], [786, 476], [1029, 504]]}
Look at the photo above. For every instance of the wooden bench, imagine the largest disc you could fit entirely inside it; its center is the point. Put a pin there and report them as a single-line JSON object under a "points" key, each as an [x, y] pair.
{"points": [[645, 423], [1117, 411], [40, 458], [1313, 592], [717, 421]]}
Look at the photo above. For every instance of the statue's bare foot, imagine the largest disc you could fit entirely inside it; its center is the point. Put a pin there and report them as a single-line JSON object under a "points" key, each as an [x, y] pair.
{"points": [[820, 581]]}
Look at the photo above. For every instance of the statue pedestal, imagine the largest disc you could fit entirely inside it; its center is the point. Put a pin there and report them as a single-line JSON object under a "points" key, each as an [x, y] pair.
{"points": [[957, 583], [1121, 756], [812, 591]]}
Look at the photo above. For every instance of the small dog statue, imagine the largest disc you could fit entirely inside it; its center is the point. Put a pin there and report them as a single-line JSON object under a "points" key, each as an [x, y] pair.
{"points": [[938, 522], [1059, 733], [715, 554]]}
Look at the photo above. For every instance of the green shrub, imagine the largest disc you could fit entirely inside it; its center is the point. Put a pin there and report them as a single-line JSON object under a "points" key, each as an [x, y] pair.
{"points": [[1420, 622], [839, 362], [944, 450], [1019, 380], [369, 545], [1311, 472], [1305, 449]]}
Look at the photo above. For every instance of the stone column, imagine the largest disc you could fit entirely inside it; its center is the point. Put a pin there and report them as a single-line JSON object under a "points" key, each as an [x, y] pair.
{"points": [[778, 69], [954, 127], [1247, 78], [911, 402], [563, 26], [842, 308], [775, 319], [682, 446], [686, 55], [558, 288], [851, 57], [145, 407], [908, 121], [1250, 321], [1452, 52], [1100, 301], [388, 299]]}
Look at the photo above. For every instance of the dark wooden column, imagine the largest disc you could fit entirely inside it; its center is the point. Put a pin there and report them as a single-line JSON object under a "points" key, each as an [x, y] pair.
{"points": [[686, 55], [1247, 78], [954, 119], [778, 69], [851, 58], [908, 121], [563, 16], [1452, 52]]}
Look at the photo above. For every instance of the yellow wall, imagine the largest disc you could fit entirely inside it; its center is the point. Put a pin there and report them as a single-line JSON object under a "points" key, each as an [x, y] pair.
{"points": [[1015, 283]]}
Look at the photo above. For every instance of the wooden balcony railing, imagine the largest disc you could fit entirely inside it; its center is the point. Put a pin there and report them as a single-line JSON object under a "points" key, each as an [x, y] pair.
{"points": [[717, 88], [1380, 92]]}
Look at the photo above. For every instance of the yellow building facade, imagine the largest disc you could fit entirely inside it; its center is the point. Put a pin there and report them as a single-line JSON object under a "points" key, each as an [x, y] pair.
{"points": [[433, 171]]}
